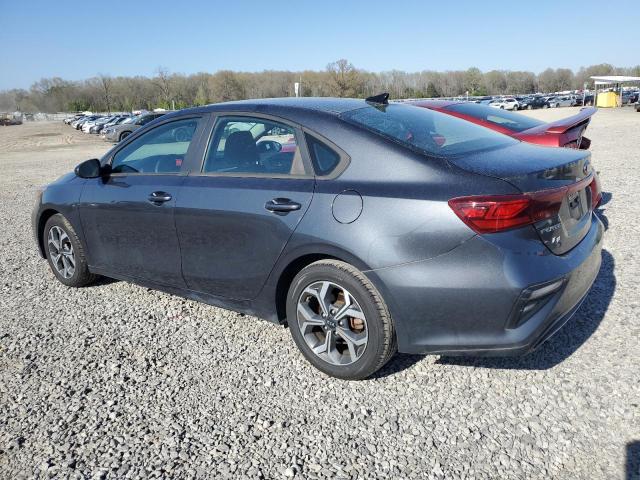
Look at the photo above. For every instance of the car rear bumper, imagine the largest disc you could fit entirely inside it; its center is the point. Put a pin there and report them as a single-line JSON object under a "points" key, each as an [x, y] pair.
{"points": [[476, 299]]}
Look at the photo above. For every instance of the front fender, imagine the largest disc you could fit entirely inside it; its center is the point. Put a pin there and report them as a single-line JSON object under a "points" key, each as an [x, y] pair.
{"points": [[61, 196]]}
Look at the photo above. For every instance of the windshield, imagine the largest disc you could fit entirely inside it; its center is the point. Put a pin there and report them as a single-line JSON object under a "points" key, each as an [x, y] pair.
{"points": [[504, 118], [426, 130]]}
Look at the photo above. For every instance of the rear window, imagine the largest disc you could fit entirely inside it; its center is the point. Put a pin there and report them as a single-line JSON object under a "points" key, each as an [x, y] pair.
{"points": [[504, 118], [426, 130]]}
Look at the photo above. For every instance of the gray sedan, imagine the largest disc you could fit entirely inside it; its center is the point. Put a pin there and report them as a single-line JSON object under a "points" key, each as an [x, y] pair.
{"points": [[365, 227], [117, 133]]}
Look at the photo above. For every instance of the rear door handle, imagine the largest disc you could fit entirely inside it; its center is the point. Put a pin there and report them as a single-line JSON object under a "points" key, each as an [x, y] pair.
{"points": [[282, 205], [158, 198]]}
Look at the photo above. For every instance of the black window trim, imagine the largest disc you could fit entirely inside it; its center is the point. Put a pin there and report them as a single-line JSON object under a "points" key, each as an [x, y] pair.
{"points": [[195, 142], [217, 116]]}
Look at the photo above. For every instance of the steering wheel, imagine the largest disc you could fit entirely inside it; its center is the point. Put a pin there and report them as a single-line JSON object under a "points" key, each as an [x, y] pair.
{"points": [[182, 135], [269, 146]]}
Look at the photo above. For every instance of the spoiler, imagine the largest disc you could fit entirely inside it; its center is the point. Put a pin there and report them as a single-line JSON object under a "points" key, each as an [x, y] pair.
{"points": [[581, 118]]}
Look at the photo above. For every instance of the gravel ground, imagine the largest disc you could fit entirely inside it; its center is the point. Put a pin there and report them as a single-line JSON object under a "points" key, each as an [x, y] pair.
{"points": [[117, 381]]}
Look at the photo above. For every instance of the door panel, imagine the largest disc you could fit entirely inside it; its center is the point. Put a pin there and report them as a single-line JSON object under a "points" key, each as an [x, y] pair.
{"points": [[128, 215], [128, 234], [229, 238]]}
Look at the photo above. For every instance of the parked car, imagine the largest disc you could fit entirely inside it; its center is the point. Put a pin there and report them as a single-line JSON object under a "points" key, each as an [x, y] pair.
{"points": [[73, 118], [638, 105], [363, 238], [567, 132], [505, 104], [99, 124], [538, 102], [115, 120], [7, 119], [564, 101], [74, 123], [629, 97], [86, 126], [523, 103], [78, 124], [119, 132]]}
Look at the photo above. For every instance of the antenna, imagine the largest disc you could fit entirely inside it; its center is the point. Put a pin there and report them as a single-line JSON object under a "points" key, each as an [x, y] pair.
{"points": [[381, 98]]}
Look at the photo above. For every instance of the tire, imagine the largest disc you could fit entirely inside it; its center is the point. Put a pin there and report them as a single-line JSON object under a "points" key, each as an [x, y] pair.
{"points": [[369, 326], [529, 107], [68, 242], [545, 106], [123, 135]]}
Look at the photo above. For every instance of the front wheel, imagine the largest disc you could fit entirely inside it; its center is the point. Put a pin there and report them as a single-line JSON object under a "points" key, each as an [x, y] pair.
{"points": [[65, 253], [123, 135], [339, 321]]}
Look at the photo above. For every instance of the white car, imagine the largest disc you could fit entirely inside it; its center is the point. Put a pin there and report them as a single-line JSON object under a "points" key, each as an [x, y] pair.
{"points": [[505, 104], [87, 125]]}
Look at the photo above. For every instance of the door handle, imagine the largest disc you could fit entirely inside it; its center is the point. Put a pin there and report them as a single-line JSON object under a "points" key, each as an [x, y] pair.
{"points": [[158, 198], [282, 205]]}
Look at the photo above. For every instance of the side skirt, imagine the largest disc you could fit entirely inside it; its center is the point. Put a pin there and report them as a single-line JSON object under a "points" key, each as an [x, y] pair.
{"points": [[240, 306]]}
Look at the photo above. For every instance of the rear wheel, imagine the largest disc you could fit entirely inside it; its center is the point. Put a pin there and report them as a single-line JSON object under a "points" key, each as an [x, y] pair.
{"points": [[65, 253], [339, 321]]}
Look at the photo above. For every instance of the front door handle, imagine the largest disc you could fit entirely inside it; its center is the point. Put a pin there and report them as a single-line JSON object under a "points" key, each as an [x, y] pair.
{"points": [[282, 205], [159, 198]]}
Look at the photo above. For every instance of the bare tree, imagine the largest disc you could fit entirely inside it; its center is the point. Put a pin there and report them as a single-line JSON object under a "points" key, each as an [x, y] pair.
{"points": [[106, 83], [163, 82], [343, 78]]}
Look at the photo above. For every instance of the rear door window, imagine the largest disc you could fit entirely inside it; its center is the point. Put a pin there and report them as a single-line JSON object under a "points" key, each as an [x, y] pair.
{"points": [[253, 146]]}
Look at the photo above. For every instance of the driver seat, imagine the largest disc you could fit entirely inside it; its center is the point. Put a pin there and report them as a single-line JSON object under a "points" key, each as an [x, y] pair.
{"points": [[241, 151]]}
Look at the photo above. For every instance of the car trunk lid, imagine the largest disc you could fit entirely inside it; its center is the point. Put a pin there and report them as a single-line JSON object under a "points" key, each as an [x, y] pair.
{"points": [[557, 183]]}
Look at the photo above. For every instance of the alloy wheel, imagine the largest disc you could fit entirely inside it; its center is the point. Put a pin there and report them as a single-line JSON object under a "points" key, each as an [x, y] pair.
{"points": [[61, 252], [332, 323]]}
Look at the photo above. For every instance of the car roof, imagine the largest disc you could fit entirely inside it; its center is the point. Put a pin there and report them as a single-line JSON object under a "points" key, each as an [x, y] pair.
{"points": [[292, 105]]}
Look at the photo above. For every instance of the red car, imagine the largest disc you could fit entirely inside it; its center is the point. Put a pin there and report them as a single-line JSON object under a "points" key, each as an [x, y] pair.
{"points": [[567, 132]]}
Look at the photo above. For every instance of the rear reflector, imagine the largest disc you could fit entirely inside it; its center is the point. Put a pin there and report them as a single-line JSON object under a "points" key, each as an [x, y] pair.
{"points": [[496, 213], [596, 192]]}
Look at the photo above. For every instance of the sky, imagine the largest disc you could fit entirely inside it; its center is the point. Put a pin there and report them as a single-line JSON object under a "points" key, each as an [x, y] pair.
{"points": [[81, 39]]}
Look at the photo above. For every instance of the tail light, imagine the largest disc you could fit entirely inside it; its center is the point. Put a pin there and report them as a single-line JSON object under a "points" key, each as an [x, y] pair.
{"points": [[496, 213]]}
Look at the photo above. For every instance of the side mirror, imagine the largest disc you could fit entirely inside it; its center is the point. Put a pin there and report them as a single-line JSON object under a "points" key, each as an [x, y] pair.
{"points": [[88, 169]]}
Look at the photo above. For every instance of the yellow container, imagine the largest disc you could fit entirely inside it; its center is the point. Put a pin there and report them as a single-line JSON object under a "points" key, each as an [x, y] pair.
{"points": [[607, 99]]}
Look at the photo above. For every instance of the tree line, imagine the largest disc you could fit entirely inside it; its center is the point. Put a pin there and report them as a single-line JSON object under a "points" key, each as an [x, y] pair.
{"points": [[341, 79]]}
